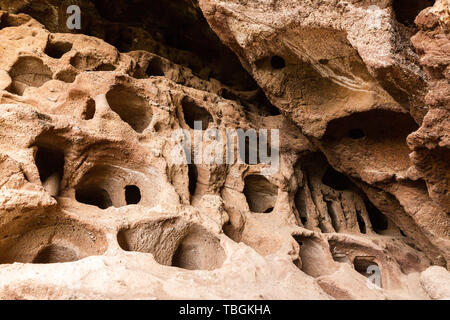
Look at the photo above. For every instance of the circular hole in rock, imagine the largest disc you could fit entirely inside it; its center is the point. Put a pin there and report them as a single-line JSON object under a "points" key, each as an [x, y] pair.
{"points": [[132, 195], [277, 62], [57, 49], [378, 220], [49, 162], [130, 106], [366, 266], [194, 113]]}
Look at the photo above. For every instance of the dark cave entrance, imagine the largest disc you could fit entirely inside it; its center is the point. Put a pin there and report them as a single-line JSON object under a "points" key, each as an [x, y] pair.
{"points": [[406, 11], [94, 196], [49, 161], [193, 113], [132, 194]]}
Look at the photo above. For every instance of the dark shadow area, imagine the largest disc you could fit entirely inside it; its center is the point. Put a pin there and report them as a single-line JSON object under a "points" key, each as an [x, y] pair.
{"points": [[154, 68], [49, 162], [178, 24], [277, 62], [378, 220], [131, 107], [406, 11], [132, 195], [193, 176], [89, 111], [94, 196], [57, 49], [356, 134], [193, 112], [55, 254], [336, 180]]}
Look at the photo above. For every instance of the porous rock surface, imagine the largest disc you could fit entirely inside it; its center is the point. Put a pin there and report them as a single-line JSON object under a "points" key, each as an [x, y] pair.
{"points": [[93, 205]]}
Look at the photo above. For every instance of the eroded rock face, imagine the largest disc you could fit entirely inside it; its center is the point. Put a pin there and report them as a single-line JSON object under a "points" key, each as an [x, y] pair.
{"points": [[94, 203], [346, 73]]}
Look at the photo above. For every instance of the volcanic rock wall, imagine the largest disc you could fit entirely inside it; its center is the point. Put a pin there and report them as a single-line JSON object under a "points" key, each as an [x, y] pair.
{"points": [[93, 204]]}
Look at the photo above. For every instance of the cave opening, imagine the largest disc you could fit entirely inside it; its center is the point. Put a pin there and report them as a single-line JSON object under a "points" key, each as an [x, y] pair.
{"points": [[361, 223], [277, 62], [57, 49], [49, 162], [373, 125], [174, 242], [378, 220], [198, 250], [336, 180], [132, 194], [367, 266], [54, 253], [130, 106], [303, 219], [260, 193], [154, 69], [89, 110], [94, 196], [193, 112], [406, 11], [175, 24], [105, 67]]}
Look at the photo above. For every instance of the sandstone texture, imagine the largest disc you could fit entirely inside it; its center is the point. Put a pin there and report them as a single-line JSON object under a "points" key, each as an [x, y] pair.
{"points": [[94, 205]]}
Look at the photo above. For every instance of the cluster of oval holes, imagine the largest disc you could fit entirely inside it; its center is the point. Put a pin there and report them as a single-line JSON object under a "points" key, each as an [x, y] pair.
{"points": [[196, 249], [51, 162]]}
